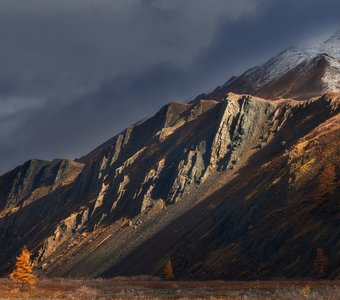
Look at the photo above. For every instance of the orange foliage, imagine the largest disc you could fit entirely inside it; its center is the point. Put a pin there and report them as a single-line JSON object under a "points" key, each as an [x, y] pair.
{"points": [[169, 271], [327, 184], [320, 262], [23, 271]]}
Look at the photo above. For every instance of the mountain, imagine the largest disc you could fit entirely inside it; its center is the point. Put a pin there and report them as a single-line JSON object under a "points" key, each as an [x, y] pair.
{"points": [[229, 186], [297, 72], [34, 179]]}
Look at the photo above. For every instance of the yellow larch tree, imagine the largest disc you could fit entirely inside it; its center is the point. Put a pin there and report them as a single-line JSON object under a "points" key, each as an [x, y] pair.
{"points": [[320, 263], [23, 270], [327, 184], [169, 270]]}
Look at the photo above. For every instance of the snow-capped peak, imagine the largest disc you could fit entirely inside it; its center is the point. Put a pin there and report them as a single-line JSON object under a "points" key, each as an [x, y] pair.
{"points": [[292, 57], [300, 72]]}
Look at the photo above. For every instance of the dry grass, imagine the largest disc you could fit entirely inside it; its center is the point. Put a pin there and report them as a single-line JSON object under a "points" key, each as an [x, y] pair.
{"points": [[137, 288]]}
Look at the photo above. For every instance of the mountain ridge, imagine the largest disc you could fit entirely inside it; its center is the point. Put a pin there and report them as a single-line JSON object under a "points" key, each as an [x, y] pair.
{"points": [[240, 183]]}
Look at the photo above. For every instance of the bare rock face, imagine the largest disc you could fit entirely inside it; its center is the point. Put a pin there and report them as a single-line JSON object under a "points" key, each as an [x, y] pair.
{"points": [[64, 230], [36, 178], [18, 184]]}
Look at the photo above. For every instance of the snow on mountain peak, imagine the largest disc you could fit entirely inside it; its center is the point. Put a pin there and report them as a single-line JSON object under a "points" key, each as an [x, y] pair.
{"points": [[300, 72], [293, 56], [332, 45]]}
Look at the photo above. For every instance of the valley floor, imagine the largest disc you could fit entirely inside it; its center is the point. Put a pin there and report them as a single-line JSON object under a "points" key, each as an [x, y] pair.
{"points": [[146, 288]]}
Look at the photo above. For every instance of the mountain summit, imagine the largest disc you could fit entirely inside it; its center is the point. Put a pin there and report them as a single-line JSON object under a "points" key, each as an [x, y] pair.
{"points": [[297, 72], [242, 183]]}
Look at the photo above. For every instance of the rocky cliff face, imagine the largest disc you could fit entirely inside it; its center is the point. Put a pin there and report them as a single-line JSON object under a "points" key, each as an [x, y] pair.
{"points": [[34, 179], [267, 221], [234, 187]]}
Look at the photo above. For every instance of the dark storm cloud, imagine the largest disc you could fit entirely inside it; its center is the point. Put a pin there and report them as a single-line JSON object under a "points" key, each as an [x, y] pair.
{"points": [[75, 72]]}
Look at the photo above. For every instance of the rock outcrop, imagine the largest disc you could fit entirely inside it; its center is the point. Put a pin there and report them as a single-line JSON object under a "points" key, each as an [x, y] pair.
{"points": [[34, 179]]}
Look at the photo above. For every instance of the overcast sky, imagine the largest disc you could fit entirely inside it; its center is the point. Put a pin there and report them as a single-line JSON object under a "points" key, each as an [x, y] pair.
{"points": [[73, 73]]}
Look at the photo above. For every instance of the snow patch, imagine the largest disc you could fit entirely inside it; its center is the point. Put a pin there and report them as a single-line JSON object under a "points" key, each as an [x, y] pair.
{"points": [[331, 77]]}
